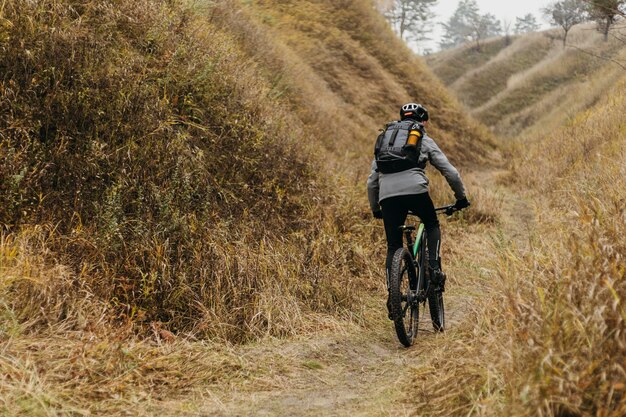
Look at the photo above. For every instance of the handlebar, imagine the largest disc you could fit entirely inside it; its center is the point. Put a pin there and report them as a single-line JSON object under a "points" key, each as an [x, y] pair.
{"points": [[448, 210]]}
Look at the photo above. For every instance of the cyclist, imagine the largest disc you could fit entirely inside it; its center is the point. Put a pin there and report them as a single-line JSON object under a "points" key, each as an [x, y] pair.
{"points": [[393, 195]]}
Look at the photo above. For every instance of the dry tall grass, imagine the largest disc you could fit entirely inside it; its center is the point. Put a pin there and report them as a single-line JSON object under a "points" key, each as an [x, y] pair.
{"points": [[566, 309], [452, 64], [481, 83], [164, 154], [519, 107], [174, 171], [157, 163], [546, 332], [535, 84]]}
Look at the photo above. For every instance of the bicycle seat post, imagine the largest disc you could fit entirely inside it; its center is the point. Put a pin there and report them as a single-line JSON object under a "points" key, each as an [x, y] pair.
{"points": [[408, 230]]}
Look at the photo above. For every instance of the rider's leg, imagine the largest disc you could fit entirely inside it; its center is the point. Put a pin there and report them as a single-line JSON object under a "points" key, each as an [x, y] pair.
{"points": [[395, 210], [423, 206]]}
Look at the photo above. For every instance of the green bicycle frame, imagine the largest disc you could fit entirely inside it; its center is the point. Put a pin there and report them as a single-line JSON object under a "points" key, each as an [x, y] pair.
{"points": [[418, 239]]}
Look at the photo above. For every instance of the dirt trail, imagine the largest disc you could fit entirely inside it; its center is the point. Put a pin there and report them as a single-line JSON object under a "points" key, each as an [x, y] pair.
{"points": [[358, 371]]}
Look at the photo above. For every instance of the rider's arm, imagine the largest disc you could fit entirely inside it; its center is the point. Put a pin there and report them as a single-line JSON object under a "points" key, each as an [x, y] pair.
{"points": [[372, 189], [439, 160]]}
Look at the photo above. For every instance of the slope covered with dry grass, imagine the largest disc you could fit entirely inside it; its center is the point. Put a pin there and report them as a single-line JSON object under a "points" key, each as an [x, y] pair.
{"points": [[174, 170], [546, 334], [566, 296], [180, 183], [452, 64], [535, 84], [146, 145], [565, 314]]}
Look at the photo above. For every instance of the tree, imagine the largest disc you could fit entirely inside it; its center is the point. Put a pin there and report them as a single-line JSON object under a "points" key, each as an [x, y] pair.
{"points": [[507, 29], [526, 24], [457, 29], [566, 14], [411, 18], [468, 25], [489, 26], [605, 13], [484, 27]]}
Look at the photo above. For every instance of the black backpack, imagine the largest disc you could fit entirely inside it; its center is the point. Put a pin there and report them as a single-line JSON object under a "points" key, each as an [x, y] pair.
{"points": [[391, 153]]}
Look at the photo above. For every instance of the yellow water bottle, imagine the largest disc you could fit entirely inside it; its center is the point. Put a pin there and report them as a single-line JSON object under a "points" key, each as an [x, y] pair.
{"points": [[414, 136]]}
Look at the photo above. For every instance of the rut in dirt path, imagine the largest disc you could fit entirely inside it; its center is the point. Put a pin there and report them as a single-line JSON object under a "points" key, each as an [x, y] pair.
{"points": [[361, 371], [358, 373], [332, 374]]}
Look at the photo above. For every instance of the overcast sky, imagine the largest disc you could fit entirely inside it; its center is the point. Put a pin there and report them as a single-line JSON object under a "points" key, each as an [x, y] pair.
{"points": [[502, 9]]}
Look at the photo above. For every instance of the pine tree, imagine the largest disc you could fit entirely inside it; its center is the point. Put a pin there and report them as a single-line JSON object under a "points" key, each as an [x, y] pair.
{"points": [[468, 25], [566, 14], [507, 28], [411, 18], [526, 24]]}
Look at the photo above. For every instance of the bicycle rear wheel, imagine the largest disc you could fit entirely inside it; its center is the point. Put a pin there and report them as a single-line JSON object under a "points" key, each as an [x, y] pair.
{"points": [[404, 305]]}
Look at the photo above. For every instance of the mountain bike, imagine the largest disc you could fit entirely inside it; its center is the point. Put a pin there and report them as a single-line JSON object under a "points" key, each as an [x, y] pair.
{"points": [[410, 285]]}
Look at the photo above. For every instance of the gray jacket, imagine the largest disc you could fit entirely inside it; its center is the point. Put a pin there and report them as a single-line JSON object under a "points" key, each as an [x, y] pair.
{"points": [[413, 181]]}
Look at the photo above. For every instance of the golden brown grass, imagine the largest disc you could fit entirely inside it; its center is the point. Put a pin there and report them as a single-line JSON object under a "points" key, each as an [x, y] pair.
{"points": [[123, 143], [545, 331], [164, 153], [520, 107], [453, 64], [353, 75], [177, 178], [569, 309], [481, 83], [535, 84], [176, 172]]}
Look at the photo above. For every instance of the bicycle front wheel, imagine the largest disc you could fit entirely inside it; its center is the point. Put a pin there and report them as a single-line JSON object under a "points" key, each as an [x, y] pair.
{"points": [[402, 297], [437, 312], [435, 298]]}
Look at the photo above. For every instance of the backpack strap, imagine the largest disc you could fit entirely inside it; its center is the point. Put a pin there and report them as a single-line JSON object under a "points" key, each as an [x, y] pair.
{"points": [[394, 135], [379, 142], [381, 138]]}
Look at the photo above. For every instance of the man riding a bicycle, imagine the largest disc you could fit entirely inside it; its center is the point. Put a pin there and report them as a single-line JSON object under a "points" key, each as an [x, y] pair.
{"points": [[398, 184]]}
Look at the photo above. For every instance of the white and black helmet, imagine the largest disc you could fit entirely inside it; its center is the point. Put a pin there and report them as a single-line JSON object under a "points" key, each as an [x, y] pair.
{"points": [[414, 111]]}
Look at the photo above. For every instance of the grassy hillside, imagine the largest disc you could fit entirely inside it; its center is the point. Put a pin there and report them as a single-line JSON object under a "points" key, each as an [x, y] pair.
{"points": [[351, 73], [534, 84], [551, 322], [136, 160], [188, 170], [566, 297], [478, 85], [182, 186], [166, 156], [452, 64], [545, 326]]}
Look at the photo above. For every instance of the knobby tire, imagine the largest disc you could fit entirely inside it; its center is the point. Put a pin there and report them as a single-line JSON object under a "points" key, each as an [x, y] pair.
{"points": [[437, 311], [435, 298], [405, 317]]}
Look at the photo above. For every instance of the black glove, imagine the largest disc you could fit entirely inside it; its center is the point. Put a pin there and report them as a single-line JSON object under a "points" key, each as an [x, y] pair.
{"points": [[377, 214], [461, 204]]}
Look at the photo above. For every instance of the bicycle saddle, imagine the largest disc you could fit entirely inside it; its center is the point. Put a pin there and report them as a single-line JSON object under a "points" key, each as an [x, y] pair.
{"points": [[406, 228]]}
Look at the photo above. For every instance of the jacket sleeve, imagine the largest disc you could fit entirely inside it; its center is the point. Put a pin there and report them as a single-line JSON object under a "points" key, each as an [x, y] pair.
{"points": [[373, 188], [439, 160]]}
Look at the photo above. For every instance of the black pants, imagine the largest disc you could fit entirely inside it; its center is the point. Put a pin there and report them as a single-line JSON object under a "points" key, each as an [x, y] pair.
{"points": [[395, 211]]}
